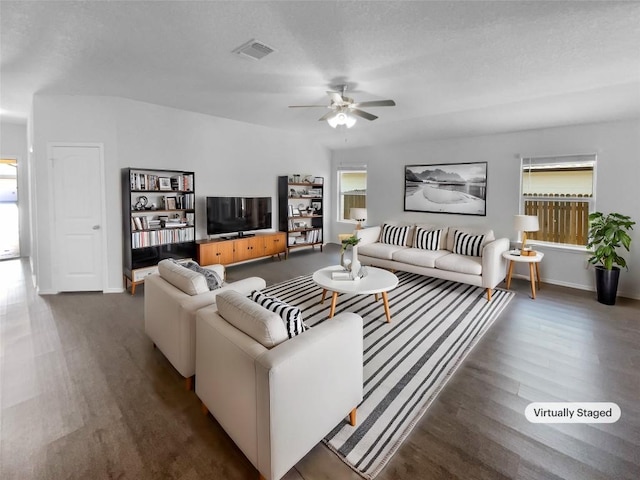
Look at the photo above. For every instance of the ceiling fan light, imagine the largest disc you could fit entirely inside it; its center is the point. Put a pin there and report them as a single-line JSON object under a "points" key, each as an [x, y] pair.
{"points": [[333, 121], [341, 118]]}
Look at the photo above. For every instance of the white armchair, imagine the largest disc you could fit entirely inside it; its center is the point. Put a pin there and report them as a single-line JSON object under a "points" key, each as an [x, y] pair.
{"points": [[171, 299], [276, 403]]}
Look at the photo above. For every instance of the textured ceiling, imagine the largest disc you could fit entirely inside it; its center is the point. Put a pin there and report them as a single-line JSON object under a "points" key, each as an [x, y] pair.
{"points": [[453, 68]]}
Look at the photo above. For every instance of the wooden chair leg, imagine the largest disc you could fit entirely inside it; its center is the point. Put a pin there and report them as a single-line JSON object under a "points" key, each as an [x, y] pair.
{"points": [[352, 417], [204, 408], [261, 477]]}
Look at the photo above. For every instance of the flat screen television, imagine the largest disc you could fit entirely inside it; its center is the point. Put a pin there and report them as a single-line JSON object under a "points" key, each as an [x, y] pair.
{"points": [[237, 214]]}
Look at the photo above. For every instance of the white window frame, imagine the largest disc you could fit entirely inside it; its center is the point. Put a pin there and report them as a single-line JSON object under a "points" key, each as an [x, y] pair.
{"points": [[339, 194], [560, 159]]}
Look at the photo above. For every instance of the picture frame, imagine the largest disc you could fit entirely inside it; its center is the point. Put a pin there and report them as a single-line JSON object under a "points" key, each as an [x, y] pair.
{"points": [[170, 203], [164, 183], [316, 206], [451, 188]]}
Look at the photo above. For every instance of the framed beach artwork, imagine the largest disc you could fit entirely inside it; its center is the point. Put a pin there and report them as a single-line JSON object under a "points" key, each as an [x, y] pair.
{"points": [[446, 188]]}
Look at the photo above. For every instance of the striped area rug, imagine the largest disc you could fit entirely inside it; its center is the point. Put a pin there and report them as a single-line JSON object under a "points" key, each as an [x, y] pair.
{"points": [[434, 324]]}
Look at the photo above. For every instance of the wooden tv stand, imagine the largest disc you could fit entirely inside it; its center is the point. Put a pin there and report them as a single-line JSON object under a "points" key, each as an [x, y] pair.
{"points": [[241, 249]]}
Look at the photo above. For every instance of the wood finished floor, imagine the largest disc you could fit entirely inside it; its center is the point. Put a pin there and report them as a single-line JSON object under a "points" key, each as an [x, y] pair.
{"points": [[83, 395]]}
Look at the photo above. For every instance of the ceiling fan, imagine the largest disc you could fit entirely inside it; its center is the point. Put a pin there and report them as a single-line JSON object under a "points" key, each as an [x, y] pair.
{"points": [[343, 109]]}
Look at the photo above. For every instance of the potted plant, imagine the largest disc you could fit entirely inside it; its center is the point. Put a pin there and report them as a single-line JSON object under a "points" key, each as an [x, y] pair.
{"points": [[607, 233]]}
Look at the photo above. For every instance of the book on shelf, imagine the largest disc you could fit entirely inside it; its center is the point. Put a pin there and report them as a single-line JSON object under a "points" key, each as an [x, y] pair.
{"points": [[161, 237], [143, 181], [182, 182]]}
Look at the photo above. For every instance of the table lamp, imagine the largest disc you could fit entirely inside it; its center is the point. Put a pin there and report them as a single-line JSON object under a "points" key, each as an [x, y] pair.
{"points": [[524, 224], [359, 215]]}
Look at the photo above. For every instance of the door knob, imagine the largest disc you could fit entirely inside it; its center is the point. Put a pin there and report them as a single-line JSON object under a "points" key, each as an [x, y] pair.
{"points": [[96, 227]]}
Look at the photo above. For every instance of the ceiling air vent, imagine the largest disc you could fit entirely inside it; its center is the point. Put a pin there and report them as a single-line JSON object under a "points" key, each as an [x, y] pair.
{"points": [[254, 49]]}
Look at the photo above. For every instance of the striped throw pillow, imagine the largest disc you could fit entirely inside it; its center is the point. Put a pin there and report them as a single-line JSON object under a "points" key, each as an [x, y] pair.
{"points": [[393, 235], [291, 316], [467, 244], [427, 239]]}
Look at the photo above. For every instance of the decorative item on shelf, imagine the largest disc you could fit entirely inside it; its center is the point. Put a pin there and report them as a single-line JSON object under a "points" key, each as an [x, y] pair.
{"points": [[296, 178], [524, 224], [164, 183], [316, 207], [170, 203], [318, 180], [607, 233], [141, 203], [359, 215]]}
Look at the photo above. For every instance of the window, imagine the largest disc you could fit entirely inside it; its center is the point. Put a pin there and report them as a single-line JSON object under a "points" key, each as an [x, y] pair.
{"points": [[560, 192], [352, 191]]}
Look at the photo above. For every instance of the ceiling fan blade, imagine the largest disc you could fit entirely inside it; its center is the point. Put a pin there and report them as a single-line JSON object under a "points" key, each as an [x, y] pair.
{"points": [[362, 114], [307, 106], [336, 98], [376, 103], [326, 116]]}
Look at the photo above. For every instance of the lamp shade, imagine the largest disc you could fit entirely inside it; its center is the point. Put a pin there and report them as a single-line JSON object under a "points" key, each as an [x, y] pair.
{"points": [[359, 214], [526, 223]]}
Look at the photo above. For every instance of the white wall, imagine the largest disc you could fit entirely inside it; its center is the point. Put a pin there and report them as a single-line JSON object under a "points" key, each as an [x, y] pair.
{"points": [[13, 143], [228, 158], [618, 180]]}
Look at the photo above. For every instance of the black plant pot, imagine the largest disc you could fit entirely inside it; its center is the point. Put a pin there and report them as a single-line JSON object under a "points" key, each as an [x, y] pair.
{"points": [[607, 284]]}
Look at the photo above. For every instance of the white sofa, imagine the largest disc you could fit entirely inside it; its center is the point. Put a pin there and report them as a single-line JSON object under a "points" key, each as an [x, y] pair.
{"points": [[486, 270], [171, 299], [276, 397]]}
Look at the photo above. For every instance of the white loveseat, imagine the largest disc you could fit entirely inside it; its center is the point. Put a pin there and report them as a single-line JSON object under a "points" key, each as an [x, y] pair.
{"points": [[486, 270], [171, 299], [276, 397]]}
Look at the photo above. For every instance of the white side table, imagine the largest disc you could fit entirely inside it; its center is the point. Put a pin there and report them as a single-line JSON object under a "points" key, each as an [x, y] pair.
{"points": [[534, 263]]}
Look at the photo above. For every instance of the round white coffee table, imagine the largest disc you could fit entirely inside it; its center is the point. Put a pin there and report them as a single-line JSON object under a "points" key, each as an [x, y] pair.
{"points": [[534, 263], [377, 281]]}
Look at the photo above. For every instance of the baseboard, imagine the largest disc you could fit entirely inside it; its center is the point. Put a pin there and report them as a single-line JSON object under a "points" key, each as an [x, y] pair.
{"points": [[40, 291], [577, 286], [113, 290]]}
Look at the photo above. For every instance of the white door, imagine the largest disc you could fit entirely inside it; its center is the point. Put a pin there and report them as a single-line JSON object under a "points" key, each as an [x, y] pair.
{"points": [[78, 224]]}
